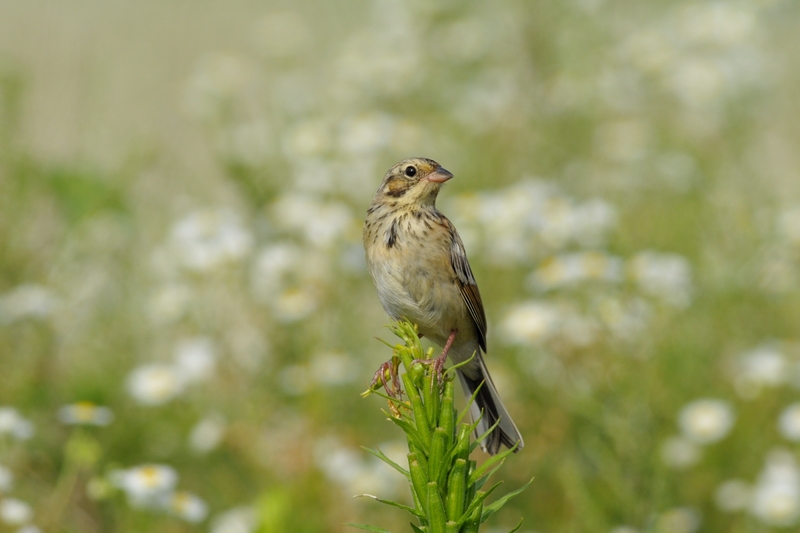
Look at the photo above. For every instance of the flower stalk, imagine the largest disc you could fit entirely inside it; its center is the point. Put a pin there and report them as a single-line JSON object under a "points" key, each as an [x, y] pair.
{"points": [[446, 485]]}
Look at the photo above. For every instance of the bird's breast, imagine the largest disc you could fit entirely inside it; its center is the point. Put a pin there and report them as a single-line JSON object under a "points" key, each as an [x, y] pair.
{"points": [[410, 265]]}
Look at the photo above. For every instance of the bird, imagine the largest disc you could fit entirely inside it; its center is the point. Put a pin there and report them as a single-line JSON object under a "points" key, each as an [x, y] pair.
{"points": [[420, 269]]}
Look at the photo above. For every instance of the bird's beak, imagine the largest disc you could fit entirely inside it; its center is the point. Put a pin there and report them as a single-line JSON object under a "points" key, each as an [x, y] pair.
{"points": [[440, 175]]}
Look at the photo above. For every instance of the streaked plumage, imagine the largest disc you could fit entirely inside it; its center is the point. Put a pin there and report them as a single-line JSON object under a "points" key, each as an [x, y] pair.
{"points": [[421, 271]]}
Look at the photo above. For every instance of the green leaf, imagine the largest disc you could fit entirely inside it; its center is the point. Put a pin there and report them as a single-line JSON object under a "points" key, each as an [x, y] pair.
{"points": [[485, 434], [518, 526], [472, 522], [382, 456], [389, 502], [392, 346], [462, 363], [449, 459], [478, 475], [412, 433], [367, 527], [477, 501], [496, 505], [417, 529], [465, 411], [377, 391]]}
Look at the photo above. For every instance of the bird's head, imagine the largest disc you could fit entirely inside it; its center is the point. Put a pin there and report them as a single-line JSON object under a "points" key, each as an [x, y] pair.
{"points": [[413, 182]]}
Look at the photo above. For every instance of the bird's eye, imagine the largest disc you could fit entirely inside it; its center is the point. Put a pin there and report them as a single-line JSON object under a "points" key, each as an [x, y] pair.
{"points": [[411, 171]]}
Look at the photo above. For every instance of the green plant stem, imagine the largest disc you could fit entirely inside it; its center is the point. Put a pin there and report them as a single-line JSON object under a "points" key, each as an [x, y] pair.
{"points": [[445, 482]]}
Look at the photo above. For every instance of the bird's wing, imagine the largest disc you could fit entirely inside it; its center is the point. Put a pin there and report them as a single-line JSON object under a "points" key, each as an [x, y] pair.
{"points": [[469, 289]]}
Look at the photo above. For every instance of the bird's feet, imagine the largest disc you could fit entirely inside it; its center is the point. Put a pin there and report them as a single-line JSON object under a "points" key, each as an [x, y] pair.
{"points": [[387, 376], [439, 361]]}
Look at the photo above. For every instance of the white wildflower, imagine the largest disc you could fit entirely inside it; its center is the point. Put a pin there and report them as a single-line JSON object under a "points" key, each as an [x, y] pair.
{"points": [[205, 239], [776, 494], [195, 359], [572, 268], [15, 512], [274, 268], [207, 434], [12, 423], [665, 276], [591, 221], [26, 301], [236, 520], [529, 322], [85, 413], [626, 319], [789, 422], [764, 366], [146, 485], [320, 223], [351, 469], [733, 495], [187, 506], [705, 421], [155, 384]]}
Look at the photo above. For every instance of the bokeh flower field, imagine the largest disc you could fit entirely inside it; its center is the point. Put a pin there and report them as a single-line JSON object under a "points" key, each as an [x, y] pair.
{"points": [[186, 320]]}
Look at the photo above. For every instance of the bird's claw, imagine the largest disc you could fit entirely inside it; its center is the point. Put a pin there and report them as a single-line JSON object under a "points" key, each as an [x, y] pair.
{"points": [[437, 367], [438, 362], [387, 376]]}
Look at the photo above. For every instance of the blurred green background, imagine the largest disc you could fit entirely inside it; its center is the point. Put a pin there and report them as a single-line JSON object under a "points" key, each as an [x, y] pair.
{"points": [[186, 321]]}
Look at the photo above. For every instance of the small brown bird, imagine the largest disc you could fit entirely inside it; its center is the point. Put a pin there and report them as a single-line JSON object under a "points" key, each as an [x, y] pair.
{"points": [[420, 268]]}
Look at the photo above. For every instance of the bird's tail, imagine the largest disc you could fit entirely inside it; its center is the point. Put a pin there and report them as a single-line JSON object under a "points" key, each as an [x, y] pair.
{"points": [[488, 402]]}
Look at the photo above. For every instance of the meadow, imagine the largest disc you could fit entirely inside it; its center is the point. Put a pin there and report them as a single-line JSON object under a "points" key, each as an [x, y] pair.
{"points": [[186, 319]]}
